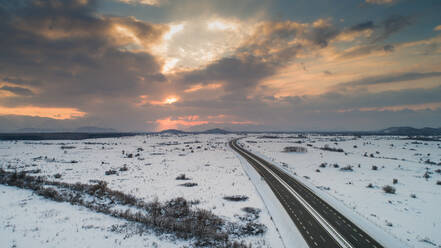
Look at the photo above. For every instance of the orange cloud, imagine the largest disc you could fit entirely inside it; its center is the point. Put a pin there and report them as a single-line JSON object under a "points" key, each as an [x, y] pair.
{"points": [[198, 87], [182, 121], [53, 113]]}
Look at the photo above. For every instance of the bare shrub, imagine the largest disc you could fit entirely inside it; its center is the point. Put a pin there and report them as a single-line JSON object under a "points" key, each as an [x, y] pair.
{"points": [[189, 184], [426, 175], [347, 168], [236, 198], [251, 210], [389, 189], [295, 149], [67, 147], [50, 193], [182, 177], [331, 149], [110, 172]]}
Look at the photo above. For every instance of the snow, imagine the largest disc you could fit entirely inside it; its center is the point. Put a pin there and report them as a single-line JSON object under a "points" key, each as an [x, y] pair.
{"points": [[205, 159], [416, 222]]}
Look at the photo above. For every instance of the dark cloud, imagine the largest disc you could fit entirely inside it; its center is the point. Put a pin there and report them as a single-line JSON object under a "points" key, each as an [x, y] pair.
{"points": [[17, 90], [384, 79], [391, 25], [389, 48], [383, 29], [369, 25], [72, 55]]}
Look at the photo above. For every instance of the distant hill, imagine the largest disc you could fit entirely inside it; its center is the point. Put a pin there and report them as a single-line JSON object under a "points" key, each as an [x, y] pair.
{"points": [[172, 131], [92, 129], [35, 130], [216, 131], [411, 131]]}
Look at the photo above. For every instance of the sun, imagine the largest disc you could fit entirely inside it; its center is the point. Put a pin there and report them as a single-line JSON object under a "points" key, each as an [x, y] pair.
{"points": [[171, 100]]}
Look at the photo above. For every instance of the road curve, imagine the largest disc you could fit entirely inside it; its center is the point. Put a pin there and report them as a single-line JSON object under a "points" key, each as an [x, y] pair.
{"points": [[320, 224]]}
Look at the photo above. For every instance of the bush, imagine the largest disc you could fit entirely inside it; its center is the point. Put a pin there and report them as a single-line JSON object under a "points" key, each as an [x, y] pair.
{"points": [[251, 210], [189, 184], [236, 198], [374, 167], [295, 149], [412, 195], [395, 181], [438, 182], [67, 147], [182, 177], [323, 165], [426, 175], [58, 175], [347, 168], [370, 185], [110, 172], [50, 193], [331, 149], [389, 189], [124, 168]]}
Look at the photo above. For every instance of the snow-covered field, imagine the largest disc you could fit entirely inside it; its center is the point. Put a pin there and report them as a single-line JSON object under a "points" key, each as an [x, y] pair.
{"points": [[151, 165], [412, 214]]}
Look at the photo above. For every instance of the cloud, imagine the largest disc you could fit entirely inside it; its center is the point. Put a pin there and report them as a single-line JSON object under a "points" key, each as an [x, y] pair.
{"points": [[368, 25], [381, 1], [145, 2], [363, 50], [437, 28], [392, 25], [384, 79], [53, 113], [74, 57], [17, 90], [272, 45]]}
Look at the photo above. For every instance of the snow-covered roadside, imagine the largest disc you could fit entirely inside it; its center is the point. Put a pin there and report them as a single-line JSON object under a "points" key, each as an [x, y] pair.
{"points": [[28, 220], [151, 174], [413, 220]]}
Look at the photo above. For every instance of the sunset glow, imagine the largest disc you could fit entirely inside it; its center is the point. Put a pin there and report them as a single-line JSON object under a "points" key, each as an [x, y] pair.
{"points": [[167, 101], [53, 113]]}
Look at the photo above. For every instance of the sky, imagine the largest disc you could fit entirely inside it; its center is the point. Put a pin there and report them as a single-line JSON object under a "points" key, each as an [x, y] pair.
{"points": [[252, 65]]}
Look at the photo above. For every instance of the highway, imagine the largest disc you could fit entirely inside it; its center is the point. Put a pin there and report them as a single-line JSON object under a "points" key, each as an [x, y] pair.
{"points": [[320, 224]]}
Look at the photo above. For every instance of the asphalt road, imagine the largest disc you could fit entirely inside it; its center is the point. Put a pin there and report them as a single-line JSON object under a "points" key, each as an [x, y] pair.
{"points": [[320, 224]]}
